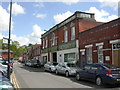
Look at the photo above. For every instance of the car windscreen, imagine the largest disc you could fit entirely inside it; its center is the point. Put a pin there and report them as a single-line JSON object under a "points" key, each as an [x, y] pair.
{"points": [[71, 65], [111, 66]]}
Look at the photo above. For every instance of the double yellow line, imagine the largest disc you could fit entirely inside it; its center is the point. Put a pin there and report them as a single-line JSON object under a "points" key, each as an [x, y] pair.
{"points": [[15, 82]]}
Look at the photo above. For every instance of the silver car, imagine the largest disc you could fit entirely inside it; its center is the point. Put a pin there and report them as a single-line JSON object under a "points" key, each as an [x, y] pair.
{"points": [[66, 68], [50, 66]]}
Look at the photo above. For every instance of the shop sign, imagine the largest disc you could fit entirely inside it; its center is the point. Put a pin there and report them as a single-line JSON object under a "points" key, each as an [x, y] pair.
{"points": [[67, 45], [116, 46]]}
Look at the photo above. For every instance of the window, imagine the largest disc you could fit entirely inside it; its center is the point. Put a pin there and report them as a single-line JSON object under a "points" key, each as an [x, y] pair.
{"points": [[53, 40], [72, 33], [46, 42], [43, 43], [66, 36], [100, 54], [87, 67], [89, 55]]}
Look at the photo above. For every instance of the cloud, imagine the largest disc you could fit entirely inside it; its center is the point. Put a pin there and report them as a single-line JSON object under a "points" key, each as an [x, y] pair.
{"points": [[108, 3], [34, 37], [40, 15], [39, 5], [17, 9], [60, 17], [4, 20], [101, 15]]}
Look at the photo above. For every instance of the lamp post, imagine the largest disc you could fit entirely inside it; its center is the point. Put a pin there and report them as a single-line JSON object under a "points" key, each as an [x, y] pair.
{"points": [[8, 69]]}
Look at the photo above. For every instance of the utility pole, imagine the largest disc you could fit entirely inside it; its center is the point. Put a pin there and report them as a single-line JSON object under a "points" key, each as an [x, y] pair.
{"points": [[8, 69]]}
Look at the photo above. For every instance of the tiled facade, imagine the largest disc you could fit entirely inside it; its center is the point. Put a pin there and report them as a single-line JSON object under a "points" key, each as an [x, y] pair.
{"points": [[60, 43], [101, 44]]}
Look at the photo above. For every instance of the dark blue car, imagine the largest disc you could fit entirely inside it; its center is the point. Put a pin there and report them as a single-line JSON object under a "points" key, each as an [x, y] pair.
{"points": [[99, 73]]}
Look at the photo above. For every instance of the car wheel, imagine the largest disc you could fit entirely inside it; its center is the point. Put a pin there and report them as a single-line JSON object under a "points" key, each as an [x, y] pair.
{"points": [[98, 81], [56, 71], [78, 76], [66, 73]]}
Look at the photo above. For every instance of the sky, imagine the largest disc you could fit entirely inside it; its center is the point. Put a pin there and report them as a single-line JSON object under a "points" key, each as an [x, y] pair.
{"points": [[32, 18]]}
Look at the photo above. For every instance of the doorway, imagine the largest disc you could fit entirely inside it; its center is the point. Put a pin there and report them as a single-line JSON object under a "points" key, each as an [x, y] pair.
{"points": [[54, 57]]}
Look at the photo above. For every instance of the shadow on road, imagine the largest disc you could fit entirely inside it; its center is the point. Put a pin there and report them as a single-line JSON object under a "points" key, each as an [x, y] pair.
{"points": [[93, 85], [32, 69]]}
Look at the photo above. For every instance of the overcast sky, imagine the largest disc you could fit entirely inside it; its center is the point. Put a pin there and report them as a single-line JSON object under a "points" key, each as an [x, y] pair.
{"points": [[30, 19]]}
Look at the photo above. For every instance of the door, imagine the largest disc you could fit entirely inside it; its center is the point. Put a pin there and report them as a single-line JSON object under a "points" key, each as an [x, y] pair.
{"points": [[82, 60], [116, 57], [55, 57]]}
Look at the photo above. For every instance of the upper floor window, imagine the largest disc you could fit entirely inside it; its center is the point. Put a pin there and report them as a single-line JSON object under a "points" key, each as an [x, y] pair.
{"points": [[53, 40], [66, 36], [46, 43], [43, 43], [72, 33]]}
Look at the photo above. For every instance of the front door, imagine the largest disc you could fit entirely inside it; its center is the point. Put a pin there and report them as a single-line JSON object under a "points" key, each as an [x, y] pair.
{"points": [[116, 57], [55, 57]]}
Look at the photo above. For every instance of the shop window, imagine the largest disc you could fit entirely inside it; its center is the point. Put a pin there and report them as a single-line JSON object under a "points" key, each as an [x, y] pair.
{"points": [[89, 55], [69, 57], [100, 54]]}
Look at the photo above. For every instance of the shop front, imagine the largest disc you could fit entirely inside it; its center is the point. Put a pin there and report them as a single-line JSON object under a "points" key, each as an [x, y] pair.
{"points": [[115, 52]]}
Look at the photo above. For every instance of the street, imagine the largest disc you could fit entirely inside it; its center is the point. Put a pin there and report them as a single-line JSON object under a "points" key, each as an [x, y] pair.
{"points": [[29, 77]]}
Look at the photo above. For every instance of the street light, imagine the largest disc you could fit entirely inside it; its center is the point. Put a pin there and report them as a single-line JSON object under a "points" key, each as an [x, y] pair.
{"points": [[8, 69]]}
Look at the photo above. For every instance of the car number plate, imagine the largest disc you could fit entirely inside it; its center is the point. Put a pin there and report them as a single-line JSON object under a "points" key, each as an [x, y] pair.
{"points": [[118, 79]]}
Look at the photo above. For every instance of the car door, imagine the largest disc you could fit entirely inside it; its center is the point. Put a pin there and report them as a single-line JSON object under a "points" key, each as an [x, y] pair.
{"points": [[63, 68], [59, 67], [84, 73], [93, 72]]}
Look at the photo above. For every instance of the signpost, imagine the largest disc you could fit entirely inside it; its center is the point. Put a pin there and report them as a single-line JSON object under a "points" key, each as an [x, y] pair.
{"points": [[8, 73]]}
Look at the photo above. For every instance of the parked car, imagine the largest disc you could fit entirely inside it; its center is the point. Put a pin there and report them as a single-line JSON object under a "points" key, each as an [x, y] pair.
{"points": [[21, 61], [50, 66], [35, 63], [4, 65], [28, 63], [6, 85], [66, 68], [99, 73]]}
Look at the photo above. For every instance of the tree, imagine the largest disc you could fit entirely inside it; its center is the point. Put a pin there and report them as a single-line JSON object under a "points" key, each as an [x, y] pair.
{"points": [[1, 44]]}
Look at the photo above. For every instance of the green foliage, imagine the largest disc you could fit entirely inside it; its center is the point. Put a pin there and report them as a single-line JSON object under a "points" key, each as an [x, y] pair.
{"points": [[17, 49], [1, 44]]}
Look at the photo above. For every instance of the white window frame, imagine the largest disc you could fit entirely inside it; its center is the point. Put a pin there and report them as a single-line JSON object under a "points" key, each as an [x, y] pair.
{"points": [[100, 54], [65, 35], [73, 33], [89, 55]]}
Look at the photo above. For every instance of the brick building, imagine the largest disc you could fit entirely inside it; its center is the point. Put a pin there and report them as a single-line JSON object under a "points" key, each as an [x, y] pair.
{"points": [[33, 52], [101, 44], [60, 43], [36, 51]]}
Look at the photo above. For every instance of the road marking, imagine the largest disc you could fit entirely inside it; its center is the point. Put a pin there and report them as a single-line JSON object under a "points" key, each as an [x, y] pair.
{"points": [[15, 82]]}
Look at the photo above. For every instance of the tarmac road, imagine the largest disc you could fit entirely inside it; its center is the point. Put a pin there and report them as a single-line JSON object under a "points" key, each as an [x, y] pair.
{"points": [[29, 77]]}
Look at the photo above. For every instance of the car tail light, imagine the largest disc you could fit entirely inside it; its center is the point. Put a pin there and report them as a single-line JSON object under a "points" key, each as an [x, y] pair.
{"points": [[109, 72]]}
